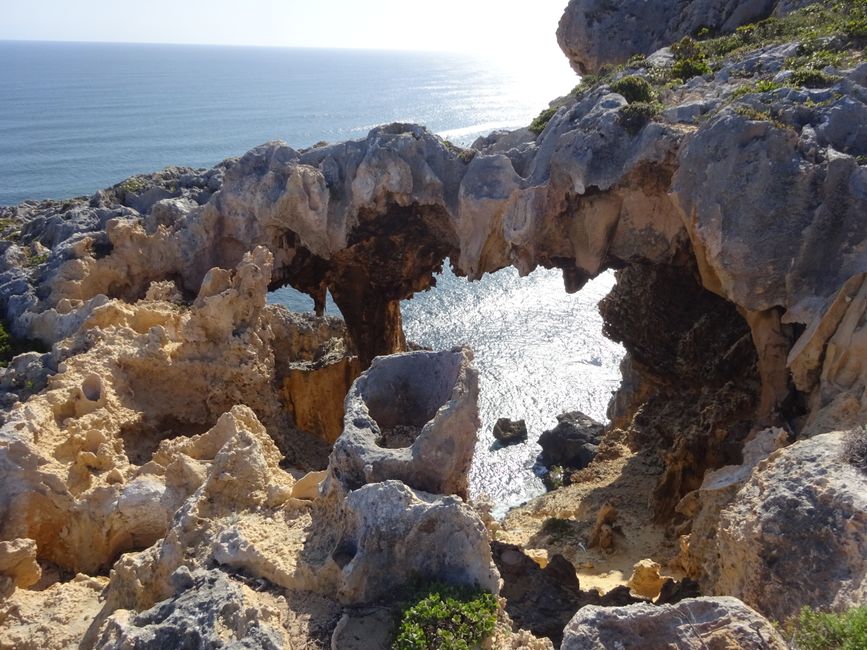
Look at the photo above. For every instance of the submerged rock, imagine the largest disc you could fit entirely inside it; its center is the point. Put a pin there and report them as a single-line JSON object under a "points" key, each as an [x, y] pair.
{"points": [[510, 432]]}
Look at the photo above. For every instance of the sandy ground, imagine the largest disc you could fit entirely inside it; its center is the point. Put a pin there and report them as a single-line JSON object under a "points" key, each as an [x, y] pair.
{"points": [[561, 521]]}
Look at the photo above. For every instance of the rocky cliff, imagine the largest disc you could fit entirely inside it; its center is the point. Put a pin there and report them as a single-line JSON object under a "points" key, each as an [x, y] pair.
{"points": [[162, 443]]}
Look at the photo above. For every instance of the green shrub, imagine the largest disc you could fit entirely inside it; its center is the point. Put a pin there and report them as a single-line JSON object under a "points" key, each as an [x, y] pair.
{"points": [[133, 184], [815, 630], [812, 79], [689, 68], [634, 117], [446, 617], [634, 89], [5, 346], [538, 125]]}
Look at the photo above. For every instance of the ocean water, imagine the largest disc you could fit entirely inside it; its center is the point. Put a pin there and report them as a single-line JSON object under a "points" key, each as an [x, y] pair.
{"points": [[539, 351], [78, 117]]}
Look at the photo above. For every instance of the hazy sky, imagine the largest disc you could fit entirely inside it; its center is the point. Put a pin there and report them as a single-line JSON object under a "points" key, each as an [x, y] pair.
{"points": [[507, 28]]}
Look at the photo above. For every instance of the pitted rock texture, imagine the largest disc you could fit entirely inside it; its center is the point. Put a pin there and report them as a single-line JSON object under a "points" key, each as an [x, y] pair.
{"points": [[211, 612], [89, 467], [798, 526], [699, 623], [433, 395]]}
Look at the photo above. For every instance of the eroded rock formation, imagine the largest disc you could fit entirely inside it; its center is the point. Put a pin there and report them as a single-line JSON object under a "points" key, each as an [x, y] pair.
{"points": [[177, 410]]}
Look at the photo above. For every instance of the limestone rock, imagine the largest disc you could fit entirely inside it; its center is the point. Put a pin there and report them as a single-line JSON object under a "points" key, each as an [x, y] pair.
{"points": [[697, 623], [573, 442], [700, 556], [798, 526], [211, 612], [392, 533], [510, 431], [412, 417], [646, 580], [18, 567], [593, 32], [364, 630]]}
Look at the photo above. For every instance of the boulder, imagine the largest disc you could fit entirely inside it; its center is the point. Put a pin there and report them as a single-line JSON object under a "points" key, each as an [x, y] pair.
{"points": [[646, 580], [391, 534], [695, 623], [210, 610], [510, 432], [411, 417], [798, 526], [572, 443], [18, 566]]}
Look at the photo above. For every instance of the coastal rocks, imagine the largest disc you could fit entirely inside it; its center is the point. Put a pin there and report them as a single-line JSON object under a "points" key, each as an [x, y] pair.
{"points": [[411, 417], [592, 32], [698, 623], [84, 473], [798, 526], [826, 361], [510, 432], [209, 611], [699, 556], [539, 600], [573, 443], [690, 395]]}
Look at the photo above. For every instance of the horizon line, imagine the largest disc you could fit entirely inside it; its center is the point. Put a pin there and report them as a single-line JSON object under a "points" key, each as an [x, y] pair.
{"points": [[239, 45]]}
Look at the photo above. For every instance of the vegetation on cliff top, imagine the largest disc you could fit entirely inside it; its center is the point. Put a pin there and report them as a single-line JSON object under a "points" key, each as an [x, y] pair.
{"points": [[439, 616], [829, 33], [815, 630]]}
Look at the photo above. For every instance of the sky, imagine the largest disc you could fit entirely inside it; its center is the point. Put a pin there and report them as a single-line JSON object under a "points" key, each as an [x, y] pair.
{"points": [[500, 28]]}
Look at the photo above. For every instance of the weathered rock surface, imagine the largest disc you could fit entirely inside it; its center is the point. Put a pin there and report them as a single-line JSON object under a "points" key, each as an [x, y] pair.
{"points": [[431, 400], [173, 393], [700, 623], [572, 443], [595, 32], [56, 617], [83, 472], [700, 556], [209, 611], [18, 567], [797, 527]]}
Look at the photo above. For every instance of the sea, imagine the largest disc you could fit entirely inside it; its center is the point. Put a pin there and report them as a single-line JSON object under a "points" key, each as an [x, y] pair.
{"points": [[77, 117]]}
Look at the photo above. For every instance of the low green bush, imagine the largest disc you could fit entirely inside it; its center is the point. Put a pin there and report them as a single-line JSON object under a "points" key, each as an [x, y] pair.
{"points": [[815, 630], [634, 89], [634, 117], [689, 68], [538, 125], [811, 79], [439, 616], [5, 346]]}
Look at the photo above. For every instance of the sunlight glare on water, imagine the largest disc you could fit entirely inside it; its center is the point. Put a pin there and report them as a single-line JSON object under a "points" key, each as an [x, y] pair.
{"points": [[539, 351]]}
